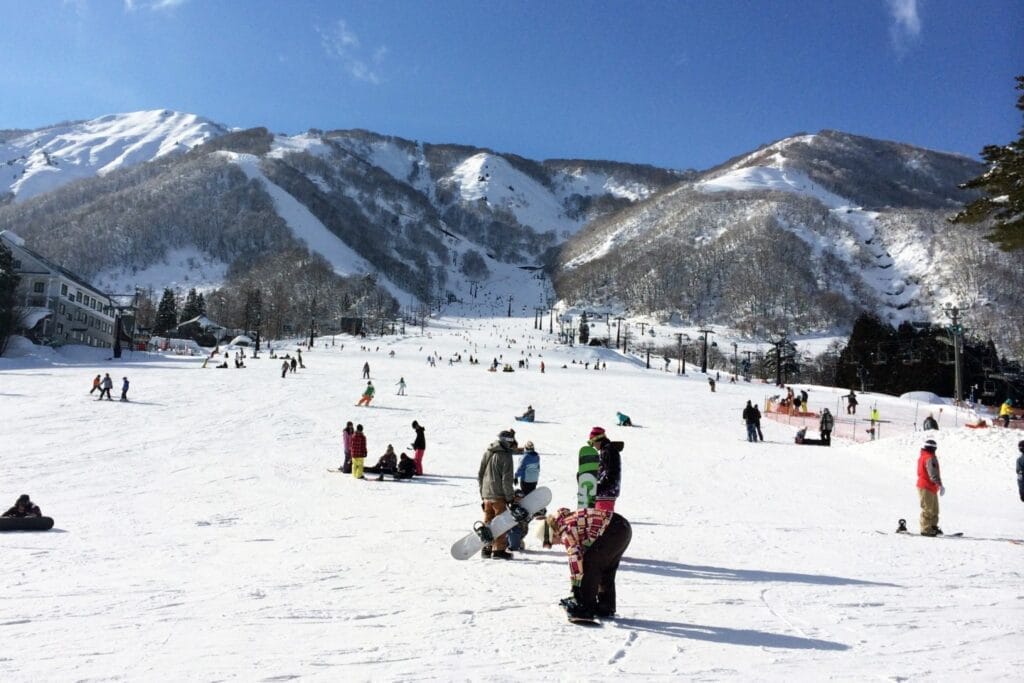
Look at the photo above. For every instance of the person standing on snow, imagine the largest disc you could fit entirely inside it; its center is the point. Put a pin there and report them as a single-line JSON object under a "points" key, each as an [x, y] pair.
{"points": [[749, 418], [825, 426], [284, 369], [930, 423], [528, 473], [609, 469], [594, 541], [419, 446], [95, 385], [401, 385], [358, 452], [124, 388], [346, 447], [1006, 411], [496, 490], [851, 403], [929, 488], [757, 423], [1020, 470], [105, 386], [366, 370]]}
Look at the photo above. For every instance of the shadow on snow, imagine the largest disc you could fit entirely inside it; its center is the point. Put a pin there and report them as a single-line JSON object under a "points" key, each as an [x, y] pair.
{"points": [[679, 570], [734, 636]]}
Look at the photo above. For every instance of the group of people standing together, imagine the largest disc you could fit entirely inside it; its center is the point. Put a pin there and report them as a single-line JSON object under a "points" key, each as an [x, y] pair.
{"points": [[106, 384]]}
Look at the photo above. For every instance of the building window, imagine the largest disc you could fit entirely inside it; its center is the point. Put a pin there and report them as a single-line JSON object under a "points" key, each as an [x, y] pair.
{"points": [[38, 287], [60, 328], [63, 290], [78, 296], [17, 264]]}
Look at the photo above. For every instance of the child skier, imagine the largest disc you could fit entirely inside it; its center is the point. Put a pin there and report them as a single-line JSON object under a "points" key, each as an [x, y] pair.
{"points": [[367, 395], [528, 472]]}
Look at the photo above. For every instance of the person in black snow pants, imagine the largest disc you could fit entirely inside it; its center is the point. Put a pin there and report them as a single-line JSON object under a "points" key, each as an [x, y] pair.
{"points": [[748, 418], [366, 370], [757, 423], [105, 386], [1020, 470], [124, 388]]}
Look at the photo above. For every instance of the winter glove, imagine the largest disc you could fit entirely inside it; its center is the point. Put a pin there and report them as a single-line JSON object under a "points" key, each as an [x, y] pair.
{"points": [[942, 490], [515, 482]]}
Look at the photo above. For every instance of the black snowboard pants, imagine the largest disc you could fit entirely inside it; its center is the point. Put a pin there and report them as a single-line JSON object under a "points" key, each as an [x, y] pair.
{"points": [[600, 564]]}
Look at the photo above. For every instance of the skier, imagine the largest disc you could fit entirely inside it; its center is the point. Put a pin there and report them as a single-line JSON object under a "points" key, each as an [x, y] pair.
{"points": [[124, 388], [419, 446], [366, 370], [1020, 470], [367, 395], [748, 418], [825, 426], [496, 491], [105, 386], [95, 384], [358, 452], [929, 487], [528, 472], [594, 541], [24, 507], [930, 423], [298, 352], [624, 420], [401, 386], [609, 470], [346, 447]]}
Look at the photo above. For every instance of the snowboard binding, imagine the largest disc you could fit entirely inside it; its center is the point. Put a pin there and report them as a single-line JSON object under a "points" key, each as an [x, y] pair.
{"points": [[519, 513], [483, 532], [902, 528]]}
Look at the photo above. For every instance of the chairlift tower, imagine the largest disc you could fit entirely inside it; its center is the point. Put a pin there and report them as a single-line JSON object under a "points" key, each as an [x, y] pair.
{"points": [[956, 331]]}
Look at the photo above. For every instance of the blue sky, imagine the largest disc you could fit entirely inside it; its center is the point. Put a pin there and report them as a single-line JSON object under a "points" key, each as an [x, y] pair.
{"points": [[684, 84]]}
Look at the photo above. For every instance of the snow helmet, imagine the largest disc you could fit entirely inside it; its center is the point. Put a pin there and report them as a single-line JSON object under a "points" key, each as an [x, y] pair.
{"points": [[930, 445], [529, 445], [506, 438], [596, 432]]}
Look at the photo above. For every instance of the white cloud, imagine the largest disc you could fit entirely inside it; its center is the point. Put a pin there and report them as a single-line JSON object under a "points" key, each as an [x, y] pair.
{"points": [[906, 23], [155, 5], [342, 44]]}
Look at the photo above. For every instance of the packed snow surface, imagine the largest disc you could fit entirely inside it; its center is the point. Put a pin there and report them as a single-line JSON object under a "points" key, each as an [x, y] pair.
{"points": [[200, 536]]}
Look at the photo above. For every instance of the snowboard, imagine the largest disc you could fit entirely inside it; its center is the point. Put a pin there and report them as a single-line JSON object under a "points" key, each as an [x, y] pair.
{"points": [[471, 543], [586, 477], [26, 523]]}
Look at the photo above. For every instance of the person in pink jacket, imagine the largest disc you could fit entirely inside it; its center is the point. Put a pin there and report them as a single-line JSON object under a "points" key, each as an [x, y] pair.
{"points": [[346, 447]]}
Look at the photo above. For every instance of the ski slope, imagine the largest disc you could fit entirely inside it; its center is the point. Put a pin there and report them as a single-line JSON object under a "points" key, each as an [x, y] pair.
{"points": [[199, 535]]}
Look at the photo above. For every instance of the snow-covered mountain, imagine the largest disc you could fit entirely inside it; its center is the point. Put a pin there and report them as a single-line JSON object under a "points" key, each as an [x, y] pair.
{"points": [[38, 161], [802, 234]]}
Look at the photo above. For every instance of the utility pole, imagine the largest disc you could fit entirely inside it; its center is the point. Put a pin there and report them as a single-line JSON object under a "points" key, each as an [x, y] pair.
{"points": [[642, 326], [735, 361], [704, 351], [956, 329], [679, 353], [551, 321], [618, 329]]}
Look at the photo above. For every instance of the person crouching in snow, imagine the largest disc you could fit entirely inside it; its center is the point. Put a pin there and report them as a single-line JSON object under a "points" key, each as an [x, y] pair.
{"points": [[624, 420], [594, 541], [528, 472], [367, 396]]}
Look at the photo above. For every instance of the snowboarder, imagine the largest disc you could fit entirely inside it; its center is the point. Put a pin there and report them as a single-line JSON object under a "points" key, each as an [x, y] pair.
{"points": [[527, 416], [609, 470], [366, 370], [386, 464], [1006, 411], [1020, 470], [419, 446], [624, 420], [528, 472], [401, 386], [594, 541], [496, 490], [358, 452], [748, 418], [24, 507], [406, 467], [367, 396], [105, 386], [930, 423], [929, 488], [825, 426], [346, 447], [95, 384]]}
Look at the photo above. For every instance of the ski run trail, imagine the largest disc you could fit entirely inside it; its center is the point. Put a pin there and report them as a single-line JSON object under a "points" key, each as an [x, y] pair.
{"points": [[200, 537]]}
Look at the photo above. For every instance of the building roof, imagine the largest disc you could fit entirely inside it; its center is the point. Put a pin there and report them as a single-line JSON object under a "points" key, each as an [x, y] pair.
{"points": [[15, 240]]}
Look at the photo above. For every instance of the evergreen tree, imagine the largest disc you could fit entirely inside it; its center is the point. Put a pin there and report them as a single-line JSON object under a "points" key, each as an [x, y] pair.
{"points": [[166, 313], [1003, 185], [191, 308], [584, 330], [201, 303], [8, 296]]}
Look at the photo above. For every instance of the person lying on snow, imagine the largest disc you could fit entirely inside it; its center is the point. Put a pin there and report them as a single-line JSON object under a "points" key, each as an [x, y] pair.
{"points": [[24, 508], [801, 438]]}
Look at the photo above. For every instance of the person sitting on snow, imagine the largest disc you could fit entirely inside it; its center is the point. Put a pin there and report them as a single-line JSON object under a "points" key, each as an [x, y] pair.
{"points": [[528, 415], [386, 464], [624, 420], [24, 508], [406, 467]]}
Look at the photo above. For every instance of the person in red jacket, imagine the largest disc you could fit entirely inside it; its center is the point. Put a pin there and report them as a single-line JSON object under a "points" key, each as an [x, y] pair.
{"points": [[929, 488], [358, 452]]}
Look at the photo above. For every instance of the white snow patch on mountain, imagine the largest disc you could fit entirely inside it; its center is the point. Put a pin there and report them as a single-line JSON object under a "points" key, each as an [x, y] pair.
{"points": [[590, 184], [45, 159], [181, 269], [491, 178]]}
